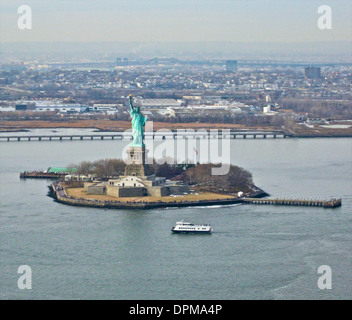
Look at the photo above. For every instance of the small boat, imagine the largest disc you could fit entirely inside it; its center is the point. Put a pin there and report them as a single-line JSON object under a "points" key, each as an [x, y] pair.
{"points": [[187, 227]]}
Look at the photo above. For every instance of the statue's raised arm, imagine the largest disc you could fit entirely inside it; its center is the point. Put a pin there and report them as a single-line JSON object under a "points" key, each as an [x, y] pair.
{"points": [[131, 105]]}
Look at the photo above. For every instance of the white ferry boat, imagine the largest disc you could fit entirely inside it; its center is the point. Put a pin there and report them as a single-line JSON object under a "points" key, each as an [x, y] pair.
{"points": [[187, 227]]}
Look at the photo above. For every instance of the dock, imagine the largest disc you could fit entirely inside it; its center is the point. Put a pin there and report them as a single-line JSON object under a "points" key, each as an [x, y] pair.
{"points": [[41, 175], [332, 203]]}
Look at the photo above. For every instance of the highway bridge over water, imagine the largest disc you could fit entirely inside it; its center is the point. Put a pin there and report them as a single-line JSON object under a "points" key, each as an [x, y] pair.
{"points": [[148, 135]]}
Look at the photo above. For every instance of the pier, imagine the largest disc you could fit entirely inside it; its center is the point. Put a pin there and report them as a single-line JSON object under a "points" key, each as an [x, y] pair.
{"points": [[41, 175], [332, 203], [149, 135]]}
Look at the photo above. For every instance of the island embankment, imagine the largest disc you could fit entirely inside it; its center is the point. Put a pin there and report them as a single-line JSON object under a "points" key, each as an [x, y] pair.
{"points": [[75, 195]]}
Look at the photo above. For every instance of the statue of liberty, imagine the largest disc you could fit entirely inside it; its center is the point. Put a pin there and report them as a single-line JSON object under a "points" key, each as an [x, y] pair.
{"points": [[138, 122]]}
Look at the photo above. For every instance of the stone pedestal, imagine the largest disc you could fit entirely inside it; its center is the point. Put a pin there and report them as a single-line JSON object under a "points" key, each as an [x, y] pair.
{"points": [[135, 161]]}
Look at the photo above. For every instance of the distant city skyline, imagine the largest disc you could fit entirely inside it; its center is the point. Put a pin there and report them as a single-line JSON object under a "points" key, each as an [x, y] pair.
{"points": [[174, 21]]}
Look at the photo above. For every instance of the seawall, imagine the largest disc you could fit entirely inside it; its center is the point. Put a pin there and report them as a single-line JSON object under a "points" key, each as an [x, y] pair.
{"points": [[59, 194]]}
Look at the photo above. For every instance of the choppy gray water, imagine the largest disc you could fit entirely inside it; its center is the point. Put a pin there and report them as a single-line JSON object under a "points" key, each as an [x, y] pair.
{"points": [[256, 252]]}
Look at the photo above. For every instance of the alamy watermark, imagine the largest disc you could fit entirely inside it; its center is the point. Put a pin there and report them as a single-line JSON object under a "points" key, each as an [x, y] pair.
{"points": [[25, 280], [325, 20], [187, 146], [25, 20], [325, 280]]}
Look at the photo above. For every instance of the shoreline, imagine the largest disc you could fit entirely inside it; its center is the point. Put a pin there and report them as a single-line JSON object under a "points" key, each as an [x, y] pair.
{"points": [[101, 126], [11, 134], [289, 136], [57, 192]]}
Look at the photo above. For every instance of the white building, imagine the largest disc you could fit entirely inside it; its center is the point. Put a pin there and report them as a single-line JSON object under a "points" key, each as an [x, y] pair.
{"points": [[49, 106], [267, 109], [104, 108], [61, 108], [167, 112], [7, 109], [160, 103]]}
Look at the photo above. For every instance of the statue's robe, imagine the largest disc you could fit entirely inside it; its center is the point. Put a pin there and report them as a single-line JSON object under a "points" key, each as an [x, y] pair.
{"points": [[138, 122]]}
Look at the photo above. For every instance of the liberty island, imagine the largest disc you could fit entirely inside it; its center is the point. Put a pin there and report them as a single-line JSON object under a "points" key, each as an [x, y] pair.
{"points": [[140, 187]]}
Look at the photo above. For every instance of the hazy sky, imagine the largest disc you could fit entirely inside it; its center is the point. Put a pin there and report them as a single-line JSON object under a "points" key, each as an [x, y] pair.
{"points": [[176, 20]]}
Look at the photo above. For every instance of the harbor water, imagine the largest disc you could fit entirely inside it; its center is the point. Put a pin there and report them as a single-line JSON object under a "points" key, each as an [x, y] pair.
{"points": [[255, 252]]}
